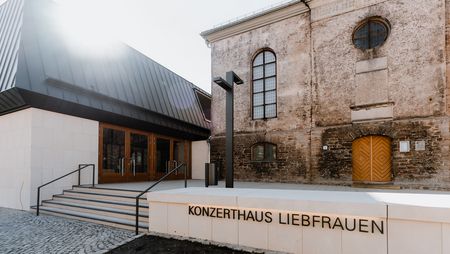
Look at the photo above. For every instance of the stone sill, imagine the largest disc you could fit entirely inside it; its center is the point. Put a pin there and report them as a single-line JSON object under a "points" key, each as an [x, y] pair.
{"points": [[372, 105]]}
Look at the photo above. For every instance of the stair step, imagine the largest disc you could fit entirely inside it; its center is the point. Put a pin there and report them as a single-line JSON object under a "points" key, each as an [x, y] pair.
{"points": [[97, 199], [108, 196], [94, 208], [93, 217], [101, 190]]}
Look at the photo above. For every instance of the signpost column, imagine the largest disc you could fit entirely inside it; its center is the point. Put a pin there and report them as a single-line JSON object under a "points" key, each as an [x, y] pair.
{"points": [[227, 85]]}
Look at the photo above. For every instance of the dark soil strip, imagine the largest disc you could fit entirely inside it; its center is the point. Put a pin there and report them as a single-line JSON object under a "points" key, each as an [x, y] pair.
{"points": [[153, 244]]}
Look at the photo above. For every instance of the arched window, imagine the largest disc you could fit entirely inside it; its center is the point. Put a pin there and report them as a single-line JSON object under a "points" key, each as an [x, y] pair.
{"points": [[264, 85], [371, 33], [264, 152]]}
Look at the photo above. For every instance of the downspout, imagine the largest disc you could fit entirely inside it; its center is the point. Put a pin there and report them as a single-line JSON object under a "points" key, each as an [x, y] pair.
{"points": [[310, 175]]}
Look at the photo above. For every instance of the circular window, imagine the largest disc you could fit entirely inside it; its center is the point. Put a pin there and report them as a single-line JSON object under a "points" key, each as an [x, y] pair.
{"points": [[371, 33]]}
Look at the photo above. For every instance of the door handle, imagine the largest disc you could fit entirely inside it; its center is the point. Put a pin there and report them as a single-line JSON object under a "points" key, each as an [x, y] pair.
{"points": [[122, 162], [133, 164]]}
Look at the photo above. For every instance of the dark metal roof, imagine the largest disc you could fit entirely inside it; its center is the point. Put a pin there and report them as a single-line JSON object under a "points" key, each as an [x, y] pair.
{"points": [[10, 25], [123, 84]]}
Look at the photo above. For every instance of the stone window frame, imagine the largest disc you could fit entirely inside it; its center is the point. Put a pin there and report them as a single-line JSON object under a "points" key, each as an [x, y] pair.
{"points": [[367, 21], [265, 146], [264, 78]]}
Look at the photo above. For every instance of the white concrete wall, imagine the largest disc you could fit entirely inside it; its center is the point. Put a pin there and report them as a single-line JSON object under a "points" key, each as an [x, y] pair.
{"points": [[200, 156], [37, 146], [413, 223], [15, 151], [58, 144]]}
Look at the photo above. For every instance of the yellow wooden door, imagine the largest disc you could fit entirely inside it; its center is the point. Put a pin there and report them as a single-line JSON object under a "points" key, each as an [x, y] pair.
{"points": [[371, 158]]}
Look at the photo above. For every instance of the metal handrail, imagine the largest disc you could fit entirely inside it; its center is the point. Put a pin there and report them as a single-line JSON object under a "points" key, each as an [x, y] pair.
{"points": [[153, 185], [80, 167]]}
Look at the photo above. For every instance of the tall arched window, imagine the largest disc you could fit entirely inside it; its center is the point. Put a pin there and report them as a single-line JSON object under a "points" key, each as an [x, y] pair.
{"points": [[264, 85]]}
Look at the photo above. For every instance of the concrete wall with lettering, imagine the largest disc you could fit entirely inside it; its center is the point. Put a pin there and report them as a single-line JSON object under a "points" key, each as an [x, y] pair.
{"points": [[293, 221]]}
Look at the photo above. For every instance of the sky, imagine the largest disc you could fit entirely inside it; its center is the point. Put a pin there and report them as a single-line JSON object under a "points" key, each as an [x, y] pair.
{"points": [[166, 30]]}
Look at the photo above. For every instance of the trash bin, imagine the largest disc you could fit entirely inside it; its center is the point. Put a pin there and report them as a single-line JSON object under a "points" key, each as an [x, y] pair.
{"points": [[211, 176]]}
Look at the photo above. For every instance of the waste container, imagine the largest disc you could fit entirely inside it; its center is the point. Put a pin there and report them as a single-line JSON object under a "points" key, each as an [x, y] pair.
{"points": [[211, 174]]}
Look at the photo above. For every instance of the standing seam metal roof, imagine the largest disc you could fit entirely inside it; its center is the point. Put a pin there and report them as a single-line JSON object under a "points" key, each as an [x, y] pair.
{"points": [[36, 57]]}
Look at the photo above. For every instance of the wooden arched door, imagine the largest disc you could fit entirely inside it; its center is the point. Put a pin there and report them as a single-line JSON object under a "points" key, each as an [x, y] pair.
{"points": [[371, 158]]}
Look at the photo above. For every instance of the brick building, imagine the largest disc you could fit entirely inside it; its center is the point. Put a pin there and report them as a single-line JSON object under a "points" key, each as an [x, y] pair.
{"points": [[337, 92]]}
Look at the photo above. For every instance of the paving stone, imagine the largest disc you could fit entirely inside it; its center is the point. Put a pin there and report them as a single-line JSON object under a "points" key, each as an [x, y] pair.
{"points": [[24, 232]]}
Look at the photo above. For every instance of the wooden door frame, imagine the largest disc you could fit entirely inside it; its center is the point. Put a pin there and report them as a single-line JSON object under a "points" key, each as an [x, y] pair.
{"points": [[141, 176], [187, 154], [187, 157], [102, 177], [128, 177], [151, 158]]}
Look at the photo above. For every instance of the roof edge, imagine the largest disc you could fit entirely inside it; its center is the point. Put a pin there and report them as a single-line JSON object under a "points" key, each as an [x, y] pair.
{"points": [[255, 20]]}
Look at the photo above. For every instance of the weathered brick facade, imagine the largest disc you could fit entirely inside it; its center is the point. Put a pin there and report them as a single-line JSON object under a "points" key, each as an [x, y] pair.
{"points": [[330, 93]]}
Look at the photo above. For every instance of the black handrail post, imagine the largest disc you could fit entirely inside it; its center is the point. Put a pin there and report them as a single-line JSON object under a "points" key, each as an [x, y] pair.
{"points": [[38, 200], [137, 215], [185, 176], [153, 185], [93, 175], [80, 167], [79, 174]]}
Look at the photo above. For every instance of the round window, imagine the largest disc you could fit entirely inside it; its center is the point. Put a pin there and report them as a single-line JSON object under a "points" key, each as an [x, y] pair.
{"points": [[371, 33]]}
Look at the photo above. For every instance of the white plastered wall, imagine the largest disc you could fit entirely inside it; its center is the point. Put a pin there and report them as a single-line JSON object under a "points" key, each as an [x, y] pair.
{"points": [[200, 156], [40, 146], [15, 150]]}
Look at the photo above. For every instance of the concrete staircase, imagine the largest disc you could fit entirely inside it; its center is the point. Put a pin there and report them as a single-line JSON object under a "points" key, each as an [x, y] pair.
{"points": [[112, 207]]}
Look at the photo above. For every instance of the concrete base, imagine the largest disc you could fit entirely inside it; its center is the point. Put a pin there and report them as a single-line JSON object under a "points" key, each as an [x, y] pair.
{"points": [[299, 221]]}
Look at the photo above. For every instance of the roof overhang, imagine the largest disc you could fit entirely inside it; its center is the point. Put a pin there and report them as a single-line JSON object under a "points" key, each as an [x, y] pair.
{"points": [[253, 21]]}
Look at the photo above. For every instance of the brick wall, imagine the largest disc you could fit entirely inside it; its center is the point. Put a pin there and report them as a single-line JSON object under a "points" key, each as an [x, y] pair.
{"points": [[315, 103], [292, 161], [416, 169]]}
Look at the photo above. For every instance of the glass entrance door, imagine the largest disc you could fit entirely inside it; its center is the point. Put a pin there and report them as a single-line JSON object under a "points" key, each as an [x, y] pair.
{"points": [[112, 154], [170, 153], [139, 157], [163, 158], [124, 154], [179, 156], [128, 155]]}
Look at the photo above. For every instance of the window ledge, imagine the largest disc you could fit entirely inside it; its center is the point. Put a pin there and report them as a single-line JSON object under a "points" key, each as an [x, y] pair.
{"points": [[264, 119]]}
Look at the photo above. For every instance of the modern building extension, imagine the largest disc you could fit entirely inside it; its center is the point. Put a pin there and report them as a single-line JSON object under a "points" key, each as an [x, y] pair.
{"points": [[62, 105]]}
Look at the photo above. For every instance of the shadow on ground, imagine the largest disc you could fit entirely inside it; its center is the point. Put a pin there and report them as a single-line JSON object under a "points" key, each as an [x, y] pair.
{"points": [[153, 244]]}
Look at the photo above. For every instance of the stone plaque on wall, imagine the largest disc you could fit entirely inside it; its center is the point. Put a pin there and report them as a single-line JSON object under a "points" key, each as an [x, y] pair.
{"points": [[371, 88], [419, 145]]}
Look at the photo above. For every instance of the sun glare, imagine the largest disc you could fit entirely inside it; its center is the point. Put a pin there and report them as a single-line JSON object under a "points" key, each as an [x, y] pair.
{"points": [[88, 25]]}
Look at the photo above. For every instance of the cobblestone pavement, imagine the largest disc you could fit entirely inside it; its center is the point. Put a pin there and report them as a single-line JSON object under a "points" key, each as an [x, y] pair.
{"points": [[23, 232]]}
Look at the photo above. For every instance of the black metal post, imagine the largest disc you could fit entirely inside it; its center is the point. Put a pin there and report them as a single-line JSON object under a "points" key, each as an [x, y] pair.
{"points": [[227, 85], [206, 174], [185, 176], [137, 215], [93, 175], [229, 180], [79, 175], [38, 201]]}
